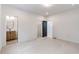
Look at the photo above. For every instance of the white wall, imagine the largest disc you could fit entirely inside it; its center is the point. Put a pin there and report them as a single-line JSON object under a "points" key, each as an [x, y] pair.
{"points": [[0, 28], [41, 18], [27, 23], [66, 25]]}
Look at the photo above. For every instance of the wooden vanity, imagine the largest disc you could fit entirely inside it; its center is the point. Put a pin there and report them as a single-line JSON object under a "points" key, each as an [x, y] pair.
{"points": [[11, 35]]}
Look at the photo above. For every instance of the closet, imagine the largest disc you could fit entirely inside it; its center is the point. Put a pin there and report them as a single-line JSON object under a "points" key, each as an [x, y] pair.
{"points": [[47, 29]]}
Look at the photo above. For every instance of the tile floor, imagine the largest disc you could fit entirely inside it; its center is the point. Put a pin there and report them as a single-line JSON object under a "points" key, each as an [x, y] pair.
{"points": [[41, 46]]}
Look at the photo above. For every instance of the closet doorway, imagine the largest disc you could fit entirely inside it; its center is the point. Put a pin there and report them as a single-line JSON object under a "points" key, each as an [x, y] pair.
{"points": [[44, 28], [47, 29]]}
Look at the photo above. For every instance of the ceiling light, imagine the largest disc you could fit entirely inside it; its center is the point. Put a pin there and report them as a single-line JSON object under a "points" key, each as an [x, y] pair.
{"points": [[47, 5], [73, 4], [12, 17], [46, 13], [7, 17]]}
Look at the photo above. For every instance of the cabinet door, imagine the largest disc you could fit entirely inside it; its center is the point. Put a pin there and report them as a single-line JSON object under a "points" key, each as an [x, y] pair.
{"points": [[11, 35]]}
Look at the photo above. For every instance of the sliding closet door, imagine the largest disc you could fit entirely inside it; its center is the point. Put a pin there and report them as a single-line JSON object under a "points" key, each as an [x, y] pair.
{"points": [[44, 28]]}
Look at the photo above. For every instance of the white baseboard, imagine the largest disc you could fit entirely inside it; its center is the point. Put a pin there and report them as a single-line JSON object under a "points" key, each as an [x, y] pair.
{"points": [[68, 40]]}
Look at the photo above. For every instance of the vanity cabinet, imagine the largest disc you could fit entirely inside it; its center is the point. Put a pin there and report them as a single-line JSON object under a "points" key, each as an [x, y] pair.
{"points": [[11, 35]]}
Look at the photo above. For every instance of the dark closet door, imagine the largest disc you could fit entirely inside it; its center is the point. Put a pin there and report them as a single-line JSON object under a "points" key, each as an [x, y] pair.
{"points": [[44, 28]]}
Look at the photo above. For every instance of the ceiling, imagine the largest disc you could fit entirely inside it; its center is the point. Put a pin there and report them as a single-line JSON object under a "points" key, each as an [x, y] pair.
{"points": [[41, 10]]}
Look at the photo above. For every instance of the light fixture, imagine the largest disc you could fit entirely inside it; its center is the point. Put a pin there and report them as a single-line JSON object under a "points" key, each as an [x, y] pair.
{"points": [[47, 5], [73, 4], [7, 17], [12, 17], [46, 13]]}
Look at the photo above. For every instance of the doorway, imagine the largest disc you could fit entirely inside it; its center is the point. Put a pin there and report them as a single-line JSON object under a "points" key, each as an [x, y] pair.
{"points": [[11, 29], [44, 28], [47, 29]]}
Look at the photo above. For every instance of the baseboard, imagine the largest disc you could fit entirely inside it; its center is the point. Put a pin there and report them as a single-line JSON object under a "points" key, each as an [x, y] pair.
{"points": [[68, 40]]}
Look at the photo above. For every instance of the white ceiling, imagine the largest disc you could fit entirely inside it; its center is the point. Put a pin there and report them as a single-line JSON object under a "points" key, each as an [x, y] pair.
{"points": [[41, 10]]}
